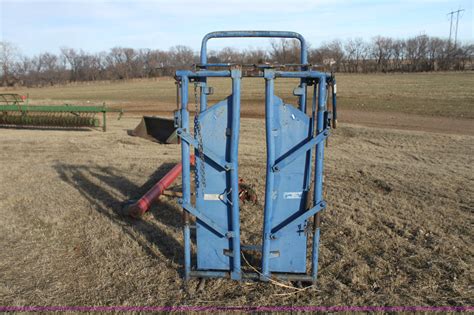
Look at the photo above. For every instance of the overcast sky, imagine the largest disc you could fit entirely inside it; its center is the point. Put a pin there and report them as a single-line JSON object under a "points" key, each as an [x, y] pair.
{"points": [[96, 25]]}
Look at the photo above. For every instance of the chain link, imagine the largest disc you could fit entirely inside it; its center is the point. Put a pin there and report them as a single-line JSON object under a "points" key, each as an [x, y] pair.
{"points": [[200, 182]]}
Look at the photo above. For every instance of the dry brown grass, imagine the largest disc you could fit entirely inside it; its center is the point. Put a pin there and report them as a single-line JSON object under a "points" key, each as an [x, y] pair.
{"points": [[398, 229]]}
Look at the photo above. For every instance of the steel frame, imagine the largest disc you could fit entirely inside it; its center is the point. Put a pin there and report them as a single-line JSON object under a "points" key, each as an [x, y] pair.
{"points": [[315, 141]]}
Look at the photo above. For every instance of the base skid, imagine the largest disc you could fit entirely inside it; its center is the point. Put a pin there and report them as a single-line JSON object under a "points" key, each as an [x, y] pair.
{"points": [[252, 276]]}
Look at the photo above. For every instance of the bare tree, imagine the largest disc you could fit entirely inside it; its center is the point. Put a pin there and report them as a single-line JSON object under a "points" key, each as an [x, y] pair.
{"points": [[356, 51], [8, 56], [229, 55], [417, 53], [182, 56], [117, 62], [382, 52], [330, 56], [285, 51], [462, 56], [255, 56], [421, 53], [437, 49], [71, 56], [46, 69], [398, 54]]}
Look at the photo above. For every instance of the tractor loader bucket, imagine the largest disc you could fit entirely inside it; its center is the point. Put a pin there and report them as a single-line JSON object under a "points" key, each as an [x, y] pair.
{"points": [[156, 129]]}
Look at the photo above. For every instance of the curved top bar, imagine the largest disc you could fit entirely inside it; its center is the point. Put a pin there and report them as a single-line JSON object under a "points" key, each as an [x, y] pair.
{"points": [[276, 34]]}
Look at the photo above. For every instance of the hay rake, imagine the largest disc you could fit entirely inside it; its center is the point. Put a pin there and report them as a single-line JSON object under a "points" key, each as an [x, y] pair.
{"points": [[14, 113]]}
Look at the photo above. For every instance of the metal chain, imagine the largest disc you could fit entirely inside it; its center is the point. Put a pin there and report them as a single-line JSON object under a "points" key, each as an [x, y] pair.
{"points": [[200, 182]]}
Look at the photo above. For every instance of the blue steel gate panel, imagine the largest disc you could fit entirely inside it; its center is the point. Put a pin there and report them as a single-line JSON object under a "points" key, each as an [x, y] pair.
{"points": [[291, 127], [213, 198]]}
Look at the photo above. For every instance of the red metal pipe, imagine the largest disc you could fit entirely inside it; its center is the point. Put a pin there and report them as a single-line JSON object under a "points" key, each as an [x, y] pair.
{"points": [[143, 204]]}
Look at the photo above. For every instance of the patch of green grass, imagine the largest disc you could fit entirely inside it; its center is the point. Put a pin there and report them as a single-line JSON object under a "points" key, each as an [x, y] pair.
{"points": [[435, 94]]}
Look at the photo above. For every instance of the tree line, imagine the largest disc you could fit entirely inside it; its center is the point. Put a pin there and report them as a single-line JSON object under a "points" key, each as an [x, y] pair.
{"points": [[380, 54]]}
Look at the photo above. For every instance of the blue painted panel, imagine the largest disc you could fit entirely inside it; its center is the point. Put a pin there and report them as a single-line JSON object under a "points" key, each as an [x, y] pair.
{"points": [[211, 198], [291, 127]]}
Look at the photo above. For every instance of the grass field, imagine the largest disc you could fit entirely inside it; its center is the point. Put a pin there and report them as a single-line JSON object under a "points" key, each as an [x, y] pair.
{"points": [[434, 94], [397, 230]]}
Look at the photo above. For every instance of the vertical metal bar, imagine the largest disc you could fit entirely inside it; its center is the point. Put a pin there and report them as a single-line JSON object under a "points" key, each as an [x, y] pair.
{"points": [[203, 96], [203, 60], [269, 76], [187, 245], [315, 252], [318, 174], [302, 100], [178, 91], [234, 173], [303, 84], [334, 106], [313, 106], [302, 107], [186, 176], [104, 118], [309, 154]]}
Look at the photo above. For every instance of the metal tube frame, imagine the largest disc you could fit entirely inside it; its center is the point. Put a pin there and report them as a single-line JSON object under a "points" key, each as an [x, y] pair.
{"points": [[269, 181], [315, 141]]}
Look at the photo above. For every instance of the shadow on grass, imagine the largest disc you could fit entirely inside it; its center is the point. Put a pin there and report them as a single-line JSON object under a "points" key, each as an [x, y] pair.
{"points": [[104, 187]]}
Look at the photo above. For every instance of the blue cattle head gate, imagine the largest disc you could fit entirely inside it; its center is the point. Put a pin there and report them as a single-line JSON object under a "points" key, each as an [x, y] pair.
{"points": [[295, 139]]}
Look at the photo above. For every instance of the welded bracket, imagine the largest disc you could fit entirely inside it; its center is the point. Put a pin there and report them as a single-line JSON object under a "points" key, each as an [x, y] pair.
{"points": [[303, 147], [185, 136], [209, 222], [177, 118], [301, 216]]}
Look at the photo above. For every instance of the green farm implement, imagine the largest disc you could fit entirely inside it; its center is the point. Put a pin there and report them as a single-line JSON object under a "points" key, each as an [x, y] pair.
{"points": [[14, 113]]}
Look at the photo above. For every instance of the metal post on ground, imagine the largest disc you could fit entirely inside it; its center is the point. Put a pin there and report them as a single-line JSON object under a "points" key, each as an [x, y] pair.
{"points": [[318, 175], [269, 76], [236, 75], [186, 176], [104, 118], [334, 105]]}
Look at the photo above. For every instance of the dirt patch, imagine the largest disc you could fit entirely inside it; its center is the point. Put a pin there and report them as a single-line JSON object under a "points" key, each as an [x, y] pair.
{"points": [[379, 119], [403, 121], [397, 231]]}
